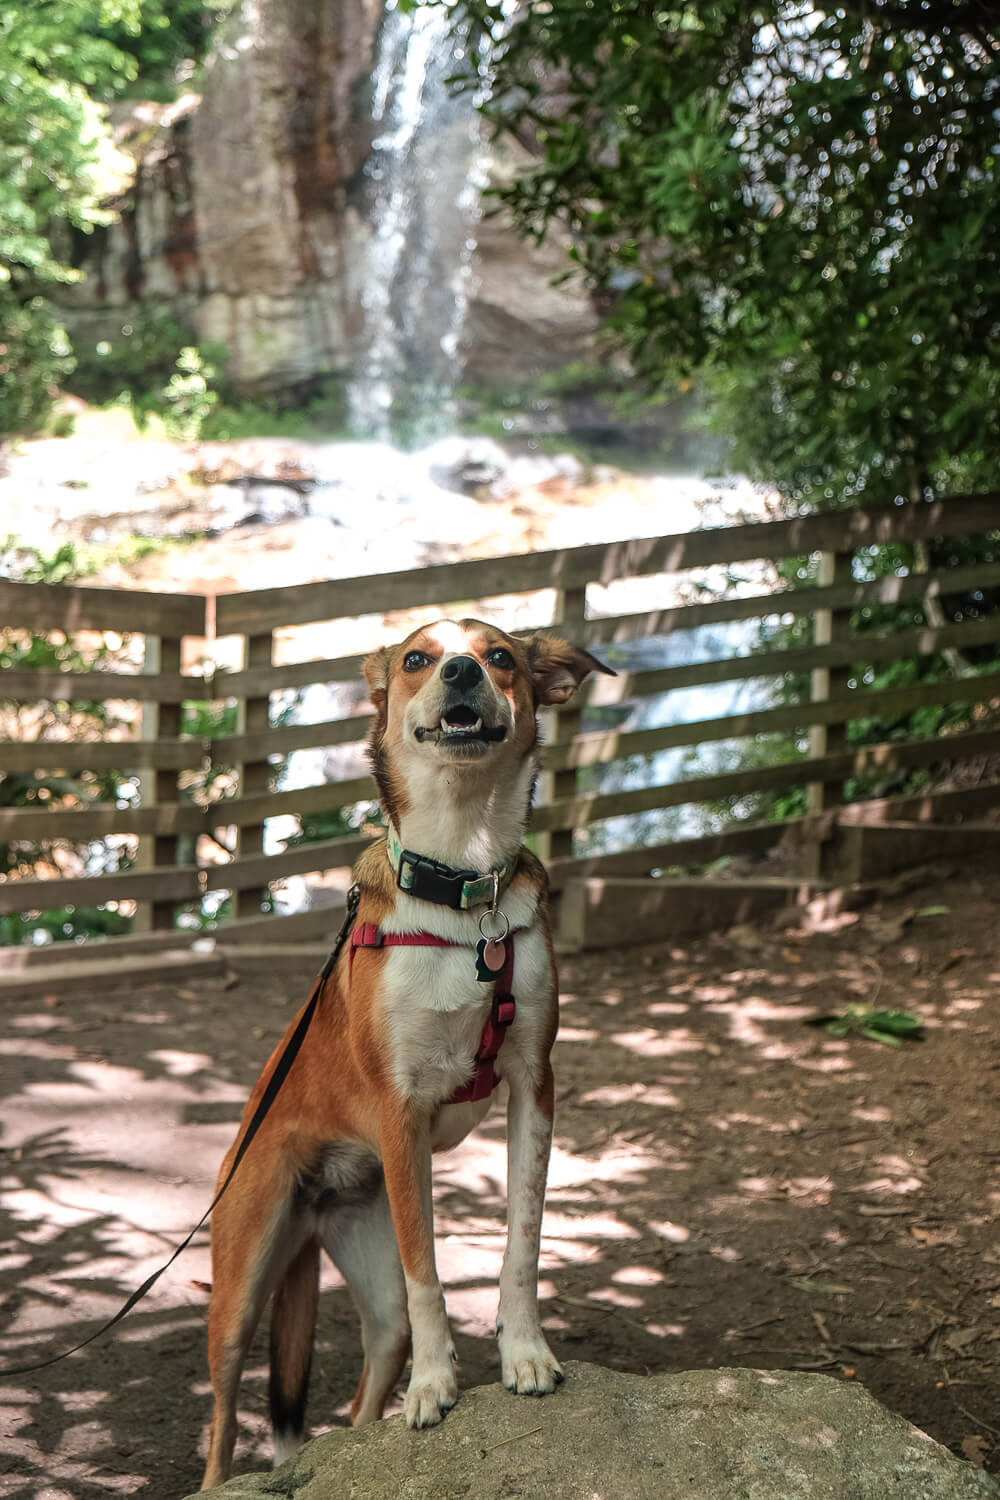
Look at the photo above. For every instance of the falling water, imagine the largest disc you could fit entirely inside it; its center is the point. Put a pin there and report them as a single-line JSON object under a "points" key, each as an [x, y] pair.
{"points": [[425, 173]]}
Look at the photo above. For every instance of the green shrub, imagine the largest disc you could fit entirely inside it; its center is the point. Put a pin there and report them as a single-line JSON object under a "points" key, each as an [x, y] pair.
{"points": [[34, 357]]}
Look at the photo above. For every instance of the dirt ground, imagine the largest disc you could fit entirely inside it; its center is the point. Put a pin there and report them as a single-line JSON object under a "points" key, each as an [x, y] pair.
{"points": [[729, 1186]]}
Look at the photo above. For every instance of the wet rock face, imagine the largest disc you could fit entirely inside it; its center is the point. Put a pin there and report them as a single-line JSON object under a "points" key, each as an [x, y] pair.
{"points": [[262, 212], [701, 1435]]}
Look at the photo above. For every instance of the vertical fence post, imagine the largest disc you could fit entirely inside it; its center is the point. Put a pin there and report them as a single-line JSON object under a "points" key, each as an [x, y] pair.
{"points": [[569, 611], [254, 775], [160, 721], [829, 625]]}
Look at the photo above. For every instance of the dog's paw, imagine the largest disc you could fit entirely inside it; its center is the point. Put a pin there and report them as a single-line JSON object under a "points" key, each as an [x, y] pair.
{"points": [[430, 1398], [529, 1367]]}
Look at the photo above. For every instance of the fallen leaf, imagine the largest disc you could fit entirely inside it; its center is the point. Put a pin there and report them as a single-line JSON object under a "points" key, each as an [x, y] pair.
{"points": [[961, 1338], [824, 1288], [934, 1237], [975, 1449]]}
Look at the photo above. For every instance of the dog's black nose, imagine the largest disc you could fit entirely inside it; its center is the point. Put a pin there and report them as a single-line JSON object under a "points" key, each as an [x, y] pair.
{"points": [[462, 673]]}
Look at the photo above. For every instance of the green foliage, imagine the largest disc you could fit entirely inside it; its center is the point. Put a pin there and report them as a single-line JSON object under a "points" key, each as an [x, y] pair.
{"points": [[890, 1027], [798, 207], [64, 924], [34, 357], [170, 34], [22, 650], [188, 398], [336, 823], [132, 365], [61, 63]]}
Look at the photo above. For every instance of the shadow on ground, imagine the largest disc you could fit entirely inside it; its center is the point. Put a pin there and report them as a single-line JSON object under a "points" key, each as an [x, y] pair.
{"points": [[729, 1186]]}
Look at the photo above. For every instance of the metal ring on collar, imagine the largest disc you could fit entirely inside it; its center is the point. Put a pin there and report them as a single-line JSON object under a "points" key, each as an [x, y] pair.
{"points": [[494, 937]]}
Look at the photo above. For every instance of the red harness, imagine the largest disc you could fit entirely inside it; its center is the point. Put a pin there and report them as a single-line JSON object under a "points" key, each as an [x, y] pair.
{"points": [[484, 1080]]}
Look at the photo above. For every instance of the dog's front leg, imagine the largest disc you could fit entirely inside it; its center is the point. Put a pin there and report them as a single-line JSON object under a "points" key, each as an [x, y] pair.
{"points": [[527, 1363], [406, 1162]]}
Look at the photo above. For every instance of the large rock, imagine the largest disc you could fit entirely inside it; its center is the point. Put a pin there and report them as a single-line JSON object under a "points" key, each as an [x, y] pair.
{"points": [[703, 1435]]}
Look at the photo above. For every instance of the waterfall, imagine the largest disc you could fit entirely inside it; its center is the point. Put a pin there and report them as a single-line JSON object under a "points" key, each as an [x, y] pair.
{"points": [[424, 175]]}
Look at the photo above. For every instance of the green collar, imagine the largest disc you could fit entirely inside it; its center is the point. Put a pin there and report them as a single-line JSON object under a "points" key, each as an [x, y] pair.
{"points": [[430, 880]]}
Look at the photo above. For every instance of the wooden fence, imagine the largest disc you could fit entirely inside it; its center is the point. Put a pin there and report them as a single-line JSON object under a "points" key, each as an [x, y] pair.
{"points": [[171, 868]]}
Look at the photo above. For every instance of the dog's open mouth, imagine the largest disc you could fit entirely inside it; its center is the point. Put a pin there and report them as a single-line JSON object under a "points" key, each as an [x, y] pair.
{"points": [[460, 725]]}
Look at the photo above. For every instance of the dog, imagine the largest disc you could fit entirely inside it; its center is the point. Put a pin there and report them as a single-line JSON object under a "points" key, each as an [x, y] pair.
{"points": [[414, 1024]]}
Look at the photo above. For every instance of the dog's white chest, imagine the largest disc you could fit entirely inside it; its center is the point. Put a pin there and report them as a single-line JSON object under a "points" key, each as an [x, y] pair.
{"points": [[436, 1008]]}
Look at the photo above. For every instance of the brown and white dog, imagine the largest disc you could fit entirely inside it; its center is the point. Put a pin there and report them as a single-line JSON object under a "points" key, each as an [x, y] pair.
{"points": [[343, 1159]]}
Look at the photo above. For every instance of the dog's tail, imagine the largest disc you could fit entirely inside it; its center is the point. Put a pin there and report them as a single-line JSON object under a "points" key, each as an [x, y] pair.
{"points": [[293, 1325]]}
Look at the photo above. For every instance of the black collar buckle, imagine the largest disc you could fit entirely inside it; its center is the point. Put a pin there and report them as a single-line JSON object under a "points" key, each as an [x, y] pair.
{"points": [[429, 880]]}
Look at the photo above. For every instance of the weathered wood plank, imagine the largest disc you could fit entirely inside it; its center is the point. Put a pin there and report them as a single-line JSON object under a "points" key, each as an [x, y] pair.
{"points": [[236, 811], [754, 839], [171, 883], [304, 859], [246, 747], [179, 755], [80, 824], [895, 590], [858, 649], [106, 973], [293, 674], [255, 774], [581, 811], [281, 929], [928, 807], [601, 748], [100, 755], [322, 922], [85, 687], [483, 578], [69, 607]]}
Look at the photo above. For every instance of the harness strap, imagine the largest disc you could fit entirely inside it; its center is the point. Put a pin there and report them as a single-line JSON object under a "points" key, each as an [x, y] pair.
{"points": [[502, 1012]]}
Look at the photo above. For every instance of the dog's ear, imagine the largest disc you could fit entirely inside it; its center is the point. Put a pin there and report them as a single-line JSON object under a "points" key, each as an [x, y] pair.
{"points": [[376, 670], [558, 667]]}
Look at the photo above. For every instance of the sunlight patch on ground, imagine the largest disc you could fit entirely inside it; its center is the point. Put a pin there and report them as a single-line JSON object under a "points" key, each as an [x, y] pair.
{"points": [[182, 1064], [632, 1093], [649, 1043], [677, 1234]]}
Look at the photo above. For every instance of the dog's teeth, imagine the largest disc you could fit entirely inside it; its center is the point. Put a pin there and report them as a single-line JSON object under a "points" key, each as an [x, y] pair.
{"points": [[447, 728]]}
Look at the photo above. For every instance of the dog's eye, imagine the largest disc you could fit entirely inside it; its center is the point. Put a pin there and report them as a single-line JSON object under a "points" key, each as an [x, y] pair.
{"points": [[500, 657], [415, 661]]}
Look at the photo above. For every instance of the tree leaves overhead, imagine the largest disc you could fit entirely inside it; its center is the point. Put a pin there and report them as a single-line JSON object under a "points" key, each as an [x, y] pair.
{"points": [[799, 205]]}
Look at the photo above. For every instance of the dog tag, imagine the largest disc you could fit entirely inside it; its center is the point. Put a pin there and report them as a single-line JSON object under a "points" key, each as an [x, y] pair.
{"points": [[490, 959]]}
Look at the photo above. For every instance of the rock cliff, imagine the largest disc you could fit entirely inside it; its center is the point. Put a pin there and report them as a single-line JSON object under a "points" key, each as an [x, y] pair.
{"points": [[313, 204]]}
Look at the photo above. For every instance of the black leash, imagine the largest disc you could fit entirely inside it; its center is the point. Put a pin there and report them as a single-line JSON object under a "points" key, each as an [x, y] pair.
{"points": [[274, 1083]]}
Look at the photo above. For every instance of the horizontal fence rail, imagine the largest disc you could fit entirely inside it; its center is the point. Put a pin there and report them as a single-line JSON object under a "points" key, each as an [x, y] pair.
{"points": [[200, 802]]}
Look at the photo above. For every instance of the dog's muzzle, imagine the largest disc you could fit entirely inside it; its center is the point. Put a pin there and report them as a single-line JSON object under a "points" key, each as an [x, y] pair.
{"points": [[467, 704]]}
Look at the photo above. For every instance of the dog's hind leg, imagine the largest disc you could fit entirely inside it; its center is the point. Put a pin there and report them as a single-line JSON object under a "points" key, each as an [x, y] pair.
{"points": [[293, 1327], [361, 1242], [247, 1264]]}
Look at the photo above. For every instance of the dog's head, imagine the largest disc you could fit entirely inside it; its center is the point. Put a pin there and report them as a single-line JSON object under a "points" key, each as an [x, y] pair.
{"points": [[463, 695]]}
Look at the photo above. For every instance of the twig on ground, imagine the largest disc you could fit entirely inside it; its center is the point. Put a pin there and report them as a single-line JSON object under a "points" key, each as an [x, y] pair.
{"points": [[948, 1383], [514, 1438]]}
